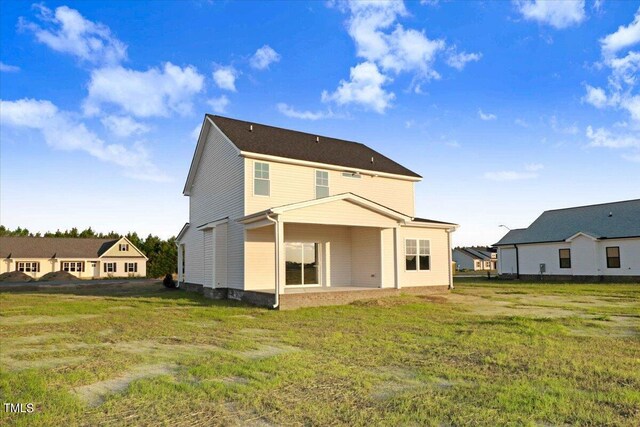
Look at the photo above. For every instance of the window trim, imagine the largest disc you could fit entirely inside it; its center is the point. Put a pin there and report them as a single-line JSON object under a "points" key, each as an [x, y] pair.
{"points": [[75, 265], [560, 258], [606, 254], [113, 263], [315, 181], [31, 264], [253, 181], [125, 245], [128, 265], [418, 269]]}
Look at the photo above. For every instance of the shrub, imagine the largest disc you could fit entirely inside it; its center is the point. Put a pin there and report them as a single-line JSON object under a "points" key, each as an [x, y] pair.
{"points": [[168, 281]]}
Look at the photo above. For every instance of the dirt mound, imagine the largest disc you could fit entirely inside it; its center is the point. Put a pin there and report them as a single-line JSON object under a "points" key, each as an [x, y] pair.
{"points": [[15, 276], [61, 276]]}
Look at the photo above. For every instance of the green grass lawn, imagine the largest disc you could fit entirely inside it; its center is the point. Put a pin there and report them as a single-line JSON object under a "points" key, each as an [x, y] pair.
{"points": [[489, 353]]}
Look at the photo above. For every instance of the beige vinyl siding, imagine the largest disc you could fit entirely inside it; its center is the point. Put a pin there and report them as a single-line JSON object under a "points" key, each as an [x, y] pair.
{"points": [[259, 264], [208, 237], [221, 256], [48, 266], [295, 183], [217, 192], [340, 212], [114, 251], [439, 261], [365, 256]]}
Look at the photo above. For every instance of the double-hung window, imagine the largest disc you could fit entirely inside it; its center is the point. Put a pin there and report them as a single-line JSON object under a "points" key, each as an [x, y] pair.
{"points": [[261, 179], [613, 257], [417, 255], [565, 258], [109, 267], [322, 184], [130, 267]]}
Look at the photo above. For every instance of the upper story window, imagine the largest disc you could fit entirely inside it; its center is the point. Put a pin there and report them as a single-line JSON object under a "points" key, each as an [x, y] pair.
{"points": [[417, 255], [322, 184], [565, 258], [261, 186], [613, 257], [123, 247]]}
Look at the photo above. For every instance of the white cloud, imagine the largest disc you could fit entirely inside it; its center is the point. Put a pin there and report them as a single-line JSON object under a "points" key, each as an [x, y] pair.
{"points": [[66, 30], [595, 96], [459, 60], [509, 175], [6, 68], [124, 126], [289, 111], [533, 167], [558, 14], [558, 127], [225, 78], [486, 116], [155, 92], [62, 131], [602, 137], [521, 122], [195, 133], [597, 5], [624, 37], [219, 104], [429, 2], [363, 88], [264, 57]]}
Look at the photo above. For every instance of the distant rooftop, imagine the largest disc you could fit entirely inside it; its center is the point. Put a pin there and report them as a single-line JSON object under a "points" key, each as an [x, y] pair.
{"points": [[602, 221]]}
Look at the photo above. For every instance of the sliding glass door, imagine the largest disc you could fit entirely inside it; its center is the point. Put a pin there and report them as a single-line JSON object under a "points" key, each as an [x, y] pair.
{"points": [[301, 264]]}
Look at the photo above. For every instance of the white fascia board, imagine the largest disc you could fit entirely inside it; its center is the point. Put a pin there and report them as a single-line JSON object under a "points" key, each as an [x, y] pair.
{"points": [[213, 224], [581, 233], [267, 157]]}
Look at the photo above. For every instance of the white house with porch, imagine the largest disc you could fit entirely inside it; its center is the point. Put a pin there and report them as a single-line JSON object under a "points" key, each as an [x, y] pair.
{"points": [[276, 212]]}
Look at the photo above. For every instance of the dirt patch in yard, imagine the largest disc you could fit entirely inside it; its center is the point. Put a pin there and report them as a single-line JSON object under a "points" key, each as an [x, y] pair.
{"points": [[265, 351], [46, 363], [37, 320], [94, 394]]}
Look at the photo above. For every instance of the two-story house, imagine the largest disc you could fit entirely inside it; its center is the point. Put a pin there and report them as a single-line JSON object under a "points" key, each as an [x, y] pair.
{"points": [[285, 218]]}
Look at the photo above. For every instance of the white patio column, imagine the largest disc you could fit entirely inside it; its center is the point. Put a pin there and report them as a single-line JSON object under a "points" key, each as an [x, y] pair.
{"points": [[281, 256], [382, 257], [396, 256]]}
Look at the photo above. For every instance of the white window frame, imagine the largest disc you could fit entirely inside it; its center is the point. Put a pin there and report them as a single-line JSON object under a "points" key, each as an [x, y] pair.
{"points": [[130, 267], [253, 182], [28, 266], [73, 266], [110, 267], [125, 246], [315, 175], [417, 254]]}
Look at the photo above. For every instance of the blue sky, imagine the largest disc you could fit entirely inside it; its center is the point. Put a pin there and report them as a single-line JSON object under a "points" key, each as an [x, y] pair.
{"points": [[505, 108]]}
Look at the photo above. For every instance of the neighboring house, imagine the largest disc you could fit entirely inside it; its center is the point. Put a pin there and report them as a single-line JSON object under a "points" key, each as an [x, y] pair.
{"points": [[585, 242], [477, 259], [278, 212], [84, 258]]}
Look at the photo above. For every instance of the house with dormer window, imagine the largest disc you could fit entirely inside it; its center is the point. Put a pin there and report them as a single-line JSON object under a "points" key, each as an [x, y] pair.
{"points": [[283, 218]]}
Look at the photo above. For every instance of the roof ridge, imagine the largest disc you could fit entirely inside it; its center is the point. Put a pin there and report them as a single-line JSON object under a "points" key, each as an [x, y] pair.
{"points": [[291, 130], [595, 204]]}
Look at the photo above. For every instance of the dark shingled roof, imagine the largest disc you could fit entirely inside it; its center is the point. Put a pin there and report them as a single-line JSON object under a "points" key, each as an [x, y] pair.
{"points": [[274, 141], [604, 221], [47, 247]]}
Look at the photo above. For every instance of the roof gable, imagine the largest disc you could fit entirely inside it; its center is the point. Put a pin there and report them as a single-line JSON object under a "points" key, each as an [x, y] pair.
{"points": [[603, 221]]}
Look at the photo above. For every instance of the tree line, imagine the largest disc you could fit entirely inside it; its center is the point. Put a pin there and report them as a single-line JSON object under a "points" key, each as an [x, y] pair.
{"points": [[162, 254]]}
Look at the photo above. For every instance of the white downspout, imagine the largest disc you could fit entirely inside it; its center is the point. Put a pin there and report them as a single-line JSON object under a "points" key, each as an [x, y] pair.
{"points": [[277, 246], [450, 260]]}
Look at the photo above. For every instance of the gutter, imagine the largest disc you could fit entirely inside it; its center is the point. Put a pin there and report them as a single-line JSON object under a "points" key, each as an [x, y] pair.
{"points": [[275, 222]]}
